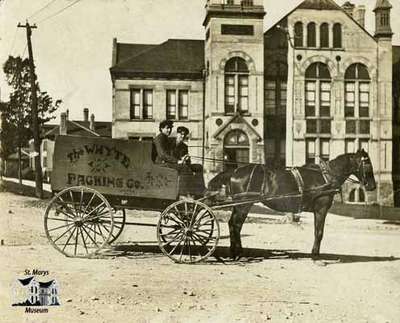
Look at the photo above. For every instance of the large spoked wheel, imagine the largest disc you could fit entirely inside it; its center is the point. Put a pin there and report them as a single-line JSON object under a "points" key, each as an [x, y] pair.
{"points": [[188, 231], [79, 221], [119, 224]]}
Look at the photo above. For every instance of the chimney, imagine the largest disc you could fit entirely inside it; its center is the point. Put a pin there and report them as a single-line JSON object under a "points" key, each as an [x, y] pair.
{"points": [[86, 114], [63, 123], [359, 15], [348, 7], [114, 52], [92, 123], [67, 113]]}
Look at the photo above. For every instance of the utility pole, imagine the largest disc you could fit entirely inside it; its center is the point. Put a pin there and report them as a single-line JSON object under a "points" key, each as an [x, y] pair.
{"points": [[34, 111]]}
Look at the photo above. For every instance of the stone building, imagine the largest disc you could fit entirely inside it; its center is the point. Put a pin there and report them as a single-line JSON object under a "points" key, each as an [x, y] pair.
{"points": [[315, 85]]}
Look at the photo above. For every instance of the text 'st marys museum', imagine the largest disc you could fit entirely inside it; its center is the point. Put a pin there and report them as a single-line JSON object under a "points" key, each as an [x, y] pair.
{"points": [[313, 86]]}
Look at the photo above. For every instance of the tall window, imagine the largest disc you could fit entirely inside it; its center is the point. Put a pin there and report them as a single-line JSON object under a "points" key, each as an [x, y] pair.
{"points": [[337, 35], [298, 34], [275, 99], [275, 89], [177, 104], [324, 35], [318, 111], [357, 102], [141, 104], [236, 86], [311, 36]]}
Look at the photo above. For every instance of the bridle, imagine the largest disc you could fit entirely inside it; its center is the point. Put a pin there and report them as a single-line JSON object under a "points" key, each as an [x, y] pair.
{"points": [[364, 162]]}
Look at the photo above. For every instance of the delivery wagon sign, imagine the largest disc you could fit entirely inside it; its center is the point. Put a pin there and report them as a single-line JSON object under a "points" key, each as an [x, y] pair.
{"points": [[111, 166]]}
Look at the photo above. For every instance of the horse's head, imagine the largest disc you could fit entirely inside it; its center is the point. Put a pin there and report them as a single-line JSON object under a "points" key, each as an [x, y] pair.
{"points": [[364, 170]]}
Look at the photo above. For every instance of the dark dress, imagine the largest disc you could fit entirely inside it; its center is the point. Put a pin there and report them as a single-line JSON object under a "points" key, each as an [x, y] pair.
{"points": [[161, 150]]}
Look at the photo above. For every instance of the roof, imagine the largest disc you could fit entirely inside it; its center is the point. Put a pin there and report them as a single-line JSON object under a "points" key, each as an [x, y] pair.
{"points": [[319, 5], [46, 284], [25, 281], [184, 57], [82, 128], [125, 51], [382, 4]]}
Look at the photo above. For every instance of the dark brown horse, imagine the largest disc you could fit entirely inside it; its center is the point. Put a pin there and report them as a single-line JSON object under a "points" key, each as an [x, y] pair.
{"points": [[308, 188]]}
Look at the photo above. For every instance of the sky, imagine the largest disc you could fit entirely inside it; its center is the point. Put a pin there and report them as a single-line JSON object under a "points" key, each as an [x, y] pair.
{"points": [[72, 50]]}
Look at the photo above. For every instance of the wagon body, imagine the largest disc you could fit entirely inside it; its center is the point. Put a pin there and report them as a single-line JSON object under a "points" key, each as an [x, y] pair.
{"points": [[96, 179], [121, 170]]}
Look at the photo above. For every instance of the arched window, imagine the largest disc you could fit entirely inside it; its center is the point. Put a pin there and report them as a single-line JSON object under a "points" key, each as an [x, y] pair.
{"points": [[324, 35], [298, 34], [337, 35], [318, 111], [311, 37], [352, 196], [357, 195], [236, 86], [357, 102], [236, 149]]}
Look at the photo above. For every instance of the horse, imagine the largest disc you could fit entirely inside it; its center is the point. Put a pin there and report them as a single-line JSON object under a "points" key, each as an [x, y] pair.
{"points": [[309, 188]]}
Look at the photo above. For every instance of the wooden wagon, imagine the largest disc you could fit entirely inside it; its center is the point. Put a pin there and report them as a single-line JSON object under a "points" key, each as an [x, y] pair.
{"points": [[96, 179]]}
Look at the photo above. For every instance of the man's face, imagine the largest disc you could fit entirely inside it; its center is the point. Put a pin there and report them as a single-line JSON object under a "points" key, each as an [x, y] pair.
{"points": [[180, 137], [166, 130]]}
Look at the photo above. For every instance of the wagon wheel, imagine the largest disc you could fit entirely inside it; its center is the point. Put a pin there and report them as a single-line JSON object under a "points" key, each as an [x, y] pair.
{"points": [[79, 221], [188, 231], [119, 224]]}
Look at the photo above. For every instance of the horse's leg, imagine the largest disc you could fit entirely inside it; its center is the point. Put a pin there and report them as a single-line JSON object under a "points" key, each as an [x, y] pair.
{"points": [[321, 207], [238, 216]]}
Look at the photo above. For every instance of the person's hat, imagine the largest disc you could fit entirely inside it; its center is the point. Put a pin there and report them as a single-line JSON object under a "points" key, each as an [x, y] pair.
{"points": [[166, 123], [183, 130]]}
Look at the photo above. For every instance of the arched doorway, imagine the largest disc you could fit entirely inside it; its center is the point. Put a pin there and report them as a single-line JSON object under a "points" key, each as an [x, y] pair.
{"points": [[236, 149]]}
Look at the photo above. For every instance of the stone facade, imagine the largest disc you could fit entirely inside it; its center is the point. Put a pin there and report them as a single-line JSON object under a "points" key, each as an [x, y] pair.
{"points": [[312, 87]]}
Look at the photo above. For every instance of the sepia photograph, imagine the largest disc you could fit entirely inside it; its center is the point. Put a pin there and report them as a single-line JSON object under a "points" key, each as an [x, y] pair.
{"points": [[200, 161]]}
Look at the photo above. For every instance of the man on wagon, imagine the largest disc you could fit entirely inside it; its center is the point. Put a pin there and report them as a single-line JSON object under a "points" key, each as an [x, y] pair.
{"points": [[179, 148]]}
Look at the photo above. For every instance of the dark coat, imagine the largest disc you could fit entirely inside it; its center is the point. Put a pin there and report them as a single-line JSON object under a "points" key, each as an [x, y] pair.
{"points": [[161, 150], [180, 150]]}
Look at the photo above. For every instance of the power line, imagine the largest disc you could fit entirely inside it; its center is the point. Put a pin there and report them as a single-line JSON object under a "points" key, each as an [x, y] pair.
{"points": [[41, 9], [13, 42], [59, 11]]}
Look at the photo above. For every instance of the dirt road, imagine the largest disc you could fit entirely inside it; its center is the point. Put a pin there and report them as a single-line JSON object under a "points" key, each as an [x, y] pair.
{"points": [[357, 280]]}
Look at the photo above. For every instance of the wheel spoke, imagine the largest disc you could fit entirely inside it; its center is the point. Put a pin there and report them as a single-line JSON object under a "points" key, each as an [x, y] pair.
{"points": [[69, 238], [84, 242], [173, 239], [89, 203], [57, 219], [76, 240], [66, 204], [63, 234], [201, 217], [176, 246], [81, 201], [83, 227], [87, 215], [61, 226], [94, 230], [170, 232], [70, 215]]}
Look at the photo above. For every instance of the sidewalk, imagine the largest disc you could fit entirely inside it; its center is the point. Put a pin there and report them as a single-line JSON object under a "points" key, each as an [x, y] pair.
{"points": [[46, 187]]}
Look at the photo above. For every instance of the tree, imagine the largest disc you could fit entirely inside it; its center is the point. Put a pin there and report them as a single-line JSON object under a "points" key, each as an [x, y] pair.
{"points": [[17, 113]]}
